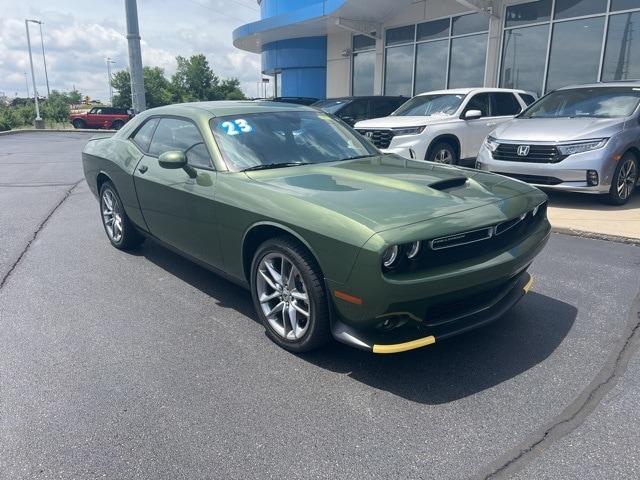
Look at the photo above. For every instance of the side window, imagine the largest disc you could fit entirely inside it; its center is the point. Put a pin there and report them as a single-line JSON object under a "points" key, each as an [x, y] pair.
{"points": [[142, 137], [182, 135], [382, 107], [480, 102], [97, 111], [504, 104], [357, 110], [528, 99], [93, 110]]}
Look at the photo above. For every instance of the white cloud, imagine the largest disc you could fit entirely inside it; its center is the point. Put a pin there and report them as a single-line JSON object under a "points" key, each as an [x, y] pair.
{"points": [[79, 38]]}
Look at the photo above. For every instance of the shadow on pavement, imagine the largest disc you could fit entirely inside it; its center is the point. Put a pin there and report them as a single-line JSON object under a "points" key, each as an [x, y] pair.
{"points": [[444, 372], [581, 201]]}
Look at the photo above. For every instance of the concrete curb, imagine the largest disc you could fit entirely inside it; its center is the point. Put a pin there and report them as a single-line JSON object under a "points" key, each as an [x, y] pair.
{"points": [[57, 130], [597, 236]]}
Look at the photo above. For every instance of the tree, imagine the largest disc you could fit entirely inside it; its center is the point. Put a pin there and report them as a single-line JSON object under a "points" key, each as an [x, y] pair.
{"points": [[194, 80], [121, 83], [229, 89], [157, 87], [75, 97]]}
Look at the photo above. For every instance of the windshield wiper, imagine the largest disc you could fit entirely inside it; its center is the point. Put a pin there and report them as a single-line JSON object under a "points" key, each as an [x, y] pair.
{"points": [[268, 166], [358, 156]]}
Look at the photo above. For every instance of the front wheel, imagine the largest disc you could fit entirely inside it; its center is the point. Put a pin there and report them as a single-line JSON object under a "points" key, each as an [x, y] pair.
{"points": [[119, 229], [624, 181], [289, 295], [443, 152]]}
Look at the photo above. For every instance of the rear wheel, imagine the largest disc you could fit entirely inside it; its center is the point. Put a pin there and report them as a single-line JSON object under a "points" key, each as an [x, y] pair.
{"points": [[624, 181], [443, 152], [79, 123], [289, 295], [119, 229], [117, 125]]}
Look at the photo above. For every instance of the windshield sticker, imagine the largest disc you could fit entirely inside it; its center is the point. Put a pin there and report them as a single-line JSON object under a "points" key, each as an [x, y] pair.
{"points": [[237, 126]]}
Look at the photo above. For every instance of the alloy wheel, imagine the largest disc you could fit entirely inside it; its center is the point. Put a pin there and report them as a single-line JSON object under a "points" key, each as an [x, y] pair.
{"points": [[627, 178], [443, 156], [283, 296], [112, 215]]}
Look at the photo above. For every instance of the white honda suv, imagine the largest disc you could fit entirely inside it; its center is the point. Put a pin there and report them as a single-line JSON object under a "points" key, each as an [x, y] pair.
{"points": [[446, 126]]}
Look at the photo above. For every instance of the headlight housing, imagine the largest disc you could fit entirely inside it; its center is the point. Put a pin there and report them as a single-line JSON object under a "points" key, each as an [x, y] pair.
{"points": [[390, 256], [409, 130], [491, 143], [581, 147]]}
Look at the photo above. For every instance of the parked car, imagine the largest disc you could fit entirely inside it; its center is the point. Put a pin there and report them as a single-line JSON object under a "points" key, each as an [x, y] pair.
{"points": [[101, 117], [444, 126], [354, 109], [578, 138], [296, 100], [330, 236]]}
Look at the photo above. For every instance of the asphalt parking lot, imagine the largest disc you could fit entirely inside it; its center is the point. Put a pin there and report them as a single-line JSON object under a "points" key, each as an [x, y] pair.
{"points": [[143, 365]]}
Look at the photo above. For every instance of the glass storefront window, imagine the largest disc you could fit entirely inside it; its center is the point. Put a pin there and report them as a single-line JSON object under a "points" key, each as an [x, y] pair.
{"points": [[523, 57], [617, 5], [575, 52], [622, 54], [578, 8], [364, 65], [362, 42], [473, 23], [468, 58], [433, 30], [400, 35], [525, 13], [431, 66], [399, 70]]}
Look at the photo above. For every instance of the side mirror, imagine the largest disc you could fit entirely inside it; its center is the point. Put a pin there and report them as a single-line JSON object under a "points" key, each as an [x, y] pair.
{"points": [[176, 159], [173, 160], [472, 114]]}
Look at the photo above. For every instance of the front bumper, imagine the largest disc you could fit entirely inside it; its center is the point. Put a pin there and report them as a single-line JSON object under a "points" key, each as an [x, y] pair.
{"points": [[427, 332], [465, 292], [569, 174]]}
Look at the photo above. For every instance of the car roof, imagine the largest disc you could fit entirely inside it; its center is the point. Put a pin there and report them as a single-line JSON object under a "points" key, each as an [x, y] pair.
{"points": [[363, 97], [621, 83], [227, 107], [466, 91]]}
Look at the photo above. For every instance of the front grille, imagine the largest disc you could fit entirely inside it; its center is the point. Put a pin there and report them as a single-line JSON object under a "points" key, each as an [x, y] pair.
{"points": [[380, 138], [535, 154], [537, 179], [490, 240]]}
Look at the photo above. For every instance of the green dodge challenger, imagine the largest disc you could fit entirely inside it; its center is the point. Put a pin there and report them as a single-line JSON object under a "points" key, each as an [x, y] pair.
{"points": [[333, 238]]}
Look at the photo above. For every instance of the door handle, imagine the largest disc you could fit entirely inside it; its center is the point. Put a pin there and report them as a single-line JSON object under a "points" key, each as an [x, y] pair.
{"points": [[143, 168]]}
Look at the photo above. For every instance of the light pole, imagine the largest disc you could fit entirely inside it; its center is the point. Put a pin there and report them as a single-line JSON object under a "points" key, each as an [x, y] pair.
{"points": [[38, 123], [26, 82], [135, 57], [109, 63], [44, 59]]}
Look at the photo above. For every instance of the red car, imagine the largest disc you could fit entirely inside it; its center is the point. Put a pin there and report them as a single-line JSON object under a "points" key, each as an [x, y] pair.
{"points": [[101, 117]]}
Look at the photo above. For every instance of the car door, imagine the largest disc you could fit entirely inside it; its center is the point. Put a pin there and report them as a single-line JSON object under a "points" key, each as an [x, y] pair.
{"points": [[475, 130], [177, 207], [93, 117]]}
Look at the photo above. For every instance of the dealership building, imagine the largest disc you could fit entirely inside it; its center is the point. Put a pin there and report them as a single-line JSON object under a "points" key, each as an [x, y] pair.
{"points": [[333, 48]]}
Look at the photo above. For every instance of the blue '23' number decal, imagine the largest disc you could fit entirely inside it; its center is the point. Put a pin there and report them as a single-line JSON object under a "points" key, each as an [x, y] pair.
{"points": [[237, 126]]}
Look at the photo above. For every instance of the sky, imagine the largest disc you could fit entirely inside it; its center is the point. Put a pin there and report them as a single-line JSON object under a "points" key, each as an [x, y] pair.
{"points": [[80, 35]]}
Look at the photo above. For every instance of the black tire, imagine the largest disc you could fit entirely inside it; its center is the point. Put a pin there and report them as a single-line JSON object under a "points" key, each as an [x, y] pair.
{"points": [[117, 125], [443, 152], [318, 329], [129, 237], [79, 123], [615, 196]]}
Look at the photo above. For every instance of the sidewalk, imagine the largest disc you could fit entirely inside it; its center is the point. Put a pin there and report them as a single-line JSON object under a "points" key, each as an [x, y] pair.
{"points": [[573, 212]]}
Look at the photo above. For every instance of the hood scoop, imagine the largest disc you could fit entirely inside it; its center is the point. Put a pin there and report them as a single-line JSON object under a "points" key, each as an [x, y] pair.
{"points": [[454, 182]]}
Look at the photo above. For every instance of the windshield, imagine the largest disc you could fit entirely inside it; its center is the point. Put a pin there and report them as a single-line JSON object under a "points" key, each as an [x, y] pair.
{"points": [[599, 102], [266, 140], [331, 106], [425, 105]]}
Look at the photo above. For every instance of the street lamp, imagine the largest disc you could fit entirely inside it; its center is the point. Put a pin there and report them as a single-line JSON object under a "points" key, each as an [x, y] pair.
{"points": [[109, 63], [26, 82], [38, 123], [44, 59]]}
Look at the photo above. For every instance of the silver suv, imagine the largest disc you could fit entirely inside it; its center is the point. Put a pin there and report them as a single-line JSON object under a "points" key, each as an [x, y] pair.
{"points": [[581, 139]]}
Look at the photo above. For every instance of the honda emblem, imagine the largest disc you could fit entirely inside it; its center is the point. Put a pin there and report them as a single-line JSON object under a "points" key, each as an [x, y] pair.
{"points": [[523, 150]]}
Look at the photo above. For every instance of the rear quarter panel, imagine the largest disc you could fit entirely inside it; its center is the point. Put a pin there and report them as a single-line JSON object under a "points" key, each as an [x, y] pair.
{"points": [[117, 159]]}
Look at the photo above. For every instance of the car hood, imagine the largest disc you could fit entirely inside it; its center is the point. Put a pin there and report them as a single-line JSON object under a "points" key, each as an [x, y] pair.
{"points": [[402, 121], [557, 129], [388, 191]]}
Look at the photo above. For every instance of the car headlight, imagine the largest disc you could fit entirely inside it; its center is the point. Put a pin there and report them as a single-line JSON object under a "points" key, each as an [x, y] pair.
{"points": [[409, 130], [581, 147], [491, 144], [413, 250], [390, 256]]}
